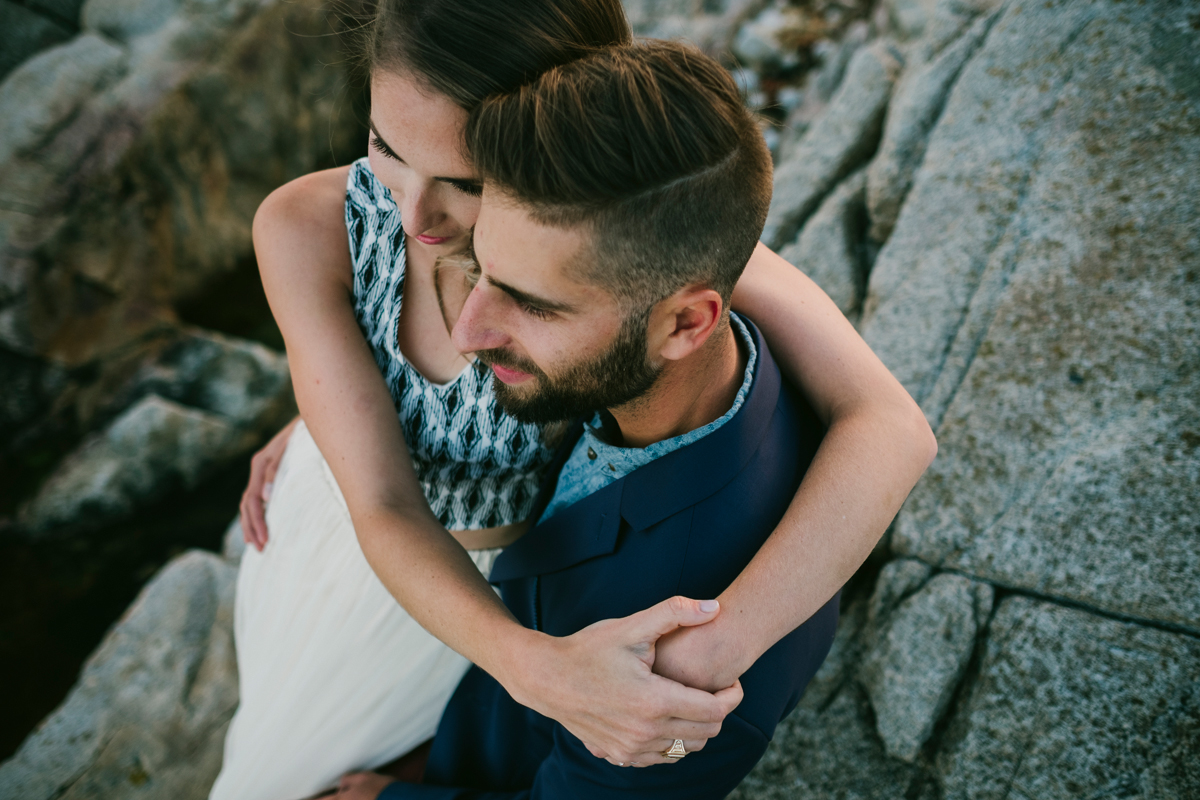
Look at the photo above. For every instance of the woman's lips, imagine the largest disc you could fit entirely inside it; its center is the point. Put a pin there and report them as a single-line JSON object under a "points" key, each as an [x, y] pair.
{"points": [[423, 239], [510, 375]]}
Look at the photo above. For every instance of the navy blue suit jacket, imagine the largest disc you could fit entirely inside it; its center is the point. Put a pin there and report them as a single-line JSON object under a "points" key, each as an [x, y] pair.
{"points": [[686, 523]]}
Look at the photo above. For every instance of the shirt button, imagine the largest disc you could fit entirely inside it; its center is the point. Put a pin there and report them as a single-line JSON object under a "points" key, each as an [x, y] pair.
{"points": [[611, 467], [591, 454]]}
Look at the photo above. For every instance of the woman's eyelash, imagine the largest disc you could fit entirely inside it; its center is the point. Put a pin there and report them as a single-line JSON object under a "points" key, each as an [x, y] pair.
{"points": [[382, 148], [473, 189], [466, 187]]}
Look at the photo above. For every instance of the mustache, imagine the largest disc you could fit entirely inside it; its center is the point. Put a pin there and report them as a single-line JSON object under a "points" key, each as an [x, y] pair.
{"points": [[508, 360]]}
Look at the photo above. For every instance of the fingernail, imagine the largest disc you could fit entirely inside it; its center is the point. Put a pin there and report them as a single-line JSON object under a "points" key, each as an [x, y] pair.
{"points": [[709, 605], [266, 492]]}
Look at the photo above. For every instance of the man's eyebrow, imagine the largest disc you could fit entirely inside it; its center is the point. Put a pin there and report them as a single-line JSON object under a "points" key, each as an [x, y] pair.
{"points": [[530, 299], [388, 149]]}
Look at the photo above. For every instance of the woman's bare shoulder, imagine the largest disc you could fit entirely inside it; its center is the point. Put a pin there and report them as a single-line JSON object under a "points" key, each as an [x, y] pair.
{"points": [[300, 229], [313, 199]]}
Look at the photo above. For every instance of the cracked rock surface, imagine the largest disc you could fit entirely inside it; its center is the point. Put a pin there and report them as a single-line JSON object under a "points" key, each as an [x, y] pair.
{"points": [[1004, 196], [147, 718]]}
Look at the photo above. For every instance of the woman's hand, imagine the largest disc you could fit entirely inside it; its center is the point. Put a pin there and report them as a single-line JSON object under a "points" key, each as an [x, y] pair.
{"points": [[263, 467], [361, 786], [599, 684]]}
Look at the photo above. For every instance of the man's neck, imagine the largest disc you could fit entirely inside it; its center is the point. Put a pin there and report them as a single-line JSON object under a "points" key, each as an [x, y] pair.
{"points": [[688, 394]]}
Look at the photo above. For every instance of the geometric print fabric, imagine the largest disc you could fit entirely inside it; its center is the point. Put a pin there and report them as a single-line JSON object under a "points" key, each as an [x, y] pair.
{"points": [[478, 466]]}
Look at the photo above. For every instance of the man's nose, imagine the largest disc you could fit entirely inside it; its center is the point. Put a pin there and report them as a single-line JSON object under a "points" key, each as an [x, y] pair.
{"points": [[476, 327]]}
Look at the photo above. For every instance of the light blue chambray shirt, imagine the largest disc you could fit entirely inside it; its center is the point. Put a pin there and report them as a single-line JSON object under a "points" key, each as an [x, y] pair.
{"points": [[594, 464]]}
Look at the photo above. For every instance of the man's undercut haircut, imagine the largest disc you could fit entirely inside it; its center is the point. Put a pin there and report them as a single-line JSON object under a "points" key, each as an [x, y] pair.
{"points": [[650, 146], [470, 49]]}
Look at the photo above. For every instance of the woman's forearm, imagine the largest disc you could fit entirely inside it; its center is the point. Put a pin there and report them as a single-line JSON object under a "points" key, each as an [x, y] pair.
{"points": [[877, 446]]}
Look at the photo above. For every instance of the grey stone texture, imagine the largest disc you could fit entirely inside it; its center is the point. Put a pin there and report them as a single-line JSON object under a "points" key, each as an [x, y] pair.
{"points": [[838, 142], [46, 91], [1036, 633], [26, 32], [155, 446], [206, 401], [144, 150], [920, 656], [830, 249], [147, 718], [1038, 297], [915, 107], [124, 20], [1072, 705]]}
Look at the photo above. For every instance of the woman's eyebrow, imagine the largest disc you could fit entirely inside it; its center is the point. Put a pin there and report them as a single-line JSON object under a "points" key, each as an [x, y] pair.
{"points": [[472, 181]]}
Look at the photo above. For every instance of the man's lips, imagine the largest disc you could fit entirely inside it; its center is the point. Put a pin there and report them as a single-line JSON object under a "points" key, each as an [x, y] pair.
{"points": [[510, 375]]}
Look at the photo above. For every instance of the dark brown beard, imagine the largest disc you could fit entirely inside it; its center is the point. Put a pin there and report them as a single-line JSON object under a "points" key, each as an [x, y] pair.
{"points": [[618, 375]]}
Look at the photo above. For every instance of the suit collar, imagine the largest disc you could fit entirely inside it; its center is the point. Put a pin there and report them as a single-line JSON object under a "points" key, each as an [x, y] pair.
{"points": [[647, 495]]}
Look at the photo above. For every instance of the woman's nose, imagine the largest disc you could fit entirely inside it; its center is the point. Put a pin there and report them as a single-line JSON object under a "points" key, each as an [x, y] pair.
{"points": [[420, 211]]}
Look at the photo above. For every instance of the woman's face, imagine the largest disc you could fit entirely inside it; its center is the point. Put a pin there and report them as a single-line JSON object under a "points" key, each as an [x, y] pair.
{"points": [[416, 151]]}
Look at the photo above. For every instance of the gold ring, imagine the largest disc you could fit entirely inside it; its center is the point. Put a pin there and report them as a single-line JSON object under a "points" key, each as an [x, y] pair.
{"points": [[677, 750]]}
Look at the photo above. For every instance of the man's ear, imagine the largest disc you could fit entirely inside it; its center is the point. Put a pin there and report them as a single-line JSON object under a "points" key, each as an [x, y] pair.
{"points": [[682, 323]]}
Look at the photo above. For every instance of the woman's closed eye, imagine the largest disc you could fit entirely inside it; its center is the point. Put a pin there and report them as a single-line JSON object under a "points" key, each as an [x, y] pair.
{"points": [[467, 187], [380, 146]]}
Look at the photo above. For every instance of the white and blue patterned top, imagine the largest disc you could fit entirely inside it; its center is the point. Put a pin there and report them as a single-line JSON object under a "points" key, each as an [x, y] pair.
{"points": [[594, 463], [478, 466]]}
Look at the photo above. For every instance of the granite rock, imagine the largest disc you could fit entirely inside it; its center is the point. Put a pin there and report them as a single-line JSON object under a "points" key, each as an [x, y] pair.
{"points": [[830, 248], [1069, 705], [242, 381], [140, 191], [26, 32], [147, 718], [838, 142], [915, 106], [919, 658], [1038, 297], [897, 581], [233, 545], [124, 20], [152, 448], [48, 89]]}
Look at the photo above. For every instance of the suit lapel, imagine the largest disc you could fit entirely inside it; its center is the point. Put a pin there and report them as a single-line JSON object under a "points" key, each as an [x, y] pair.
{"points": [[583, 530]]}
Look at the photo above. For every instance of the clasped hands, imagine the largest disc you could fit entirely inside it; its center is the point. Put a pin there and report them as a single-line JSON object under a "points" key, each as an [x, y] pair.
{"points": [[616, 685], [624, 687]]}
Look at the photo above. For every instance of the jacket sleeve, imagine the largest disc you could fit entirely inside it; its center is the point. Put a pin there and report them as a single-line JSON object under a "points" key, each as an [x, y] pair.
{"points": [[571, 771]]}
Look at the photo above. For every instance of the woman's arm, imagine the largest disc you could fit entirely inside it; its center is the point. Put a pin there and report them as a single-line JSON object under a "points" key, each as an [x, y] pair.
{"points": [[304, 261], [597, 683], [877, 445]]}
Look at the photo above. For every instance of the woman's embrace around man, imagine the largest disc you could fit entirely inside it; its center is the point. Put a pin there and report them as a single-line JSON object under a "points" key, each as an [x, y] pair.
{"points": [[615, 192]]}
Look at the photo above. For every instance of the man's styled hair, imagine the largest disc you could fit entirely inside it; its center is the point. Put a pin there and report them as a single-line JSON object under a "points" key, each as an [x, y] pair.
{"points": [[648, 144]]}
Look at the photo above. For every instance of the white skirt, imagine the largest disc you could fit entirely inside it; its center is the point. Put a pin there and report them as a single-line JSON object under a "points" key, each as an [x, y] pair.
{"points": [[334, 675]]}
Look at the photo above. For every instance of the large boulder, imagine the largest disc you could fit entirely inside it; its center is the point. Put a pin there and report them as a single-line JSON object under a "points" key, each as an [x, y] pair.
{"points": [[147, 718], [1038, 297], [132, 159], [205, 402], [29, 29], [919, 657], [1035, 196], [1068, 704], [144, 147], [836, 144]]}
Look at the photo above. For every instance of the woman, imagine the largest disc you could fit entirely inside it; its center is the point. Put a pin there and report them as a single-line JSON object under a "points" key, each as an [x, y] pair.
{"points": [[318, 652]]}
